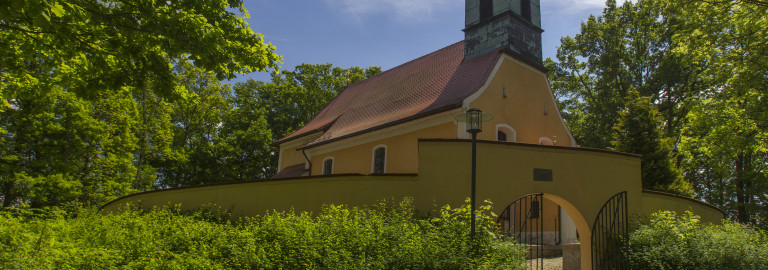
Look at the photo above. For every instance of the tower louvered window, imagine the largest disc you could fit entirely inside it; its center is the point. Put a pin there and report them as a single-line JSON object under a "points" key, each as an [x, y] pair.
{"points": [[486, 9], [525, 8]]}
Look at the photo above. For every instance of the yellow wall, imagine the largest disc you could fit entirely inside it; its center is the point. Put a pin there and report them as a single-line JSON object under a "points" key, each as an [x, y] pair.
{"points": [[657, 201], [529, 107], [290, 157], [402, 152], [258, 197], [288, 154], [583, 180]]}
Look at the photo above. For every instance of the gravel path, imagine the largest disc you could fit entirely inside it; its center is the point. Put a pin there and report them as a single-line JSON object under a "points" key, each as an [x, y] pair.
{"points": [[554, 263]]}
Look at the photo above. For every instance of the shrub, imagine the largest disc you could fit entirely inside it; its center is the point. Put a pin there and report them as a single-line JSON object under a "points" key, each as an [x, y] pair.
{"points": [[386, 236], [674, 241]]}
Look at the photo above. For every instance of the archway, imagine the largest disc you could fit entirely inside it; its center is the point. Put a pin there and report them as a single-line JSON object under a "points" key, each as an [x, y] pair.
{"points": [[549, 226]]}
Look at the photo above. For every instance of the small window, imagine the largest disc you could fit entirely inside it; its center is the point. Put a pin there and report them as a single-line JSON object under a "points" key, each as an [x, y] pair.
{"points": [[501, 136], [486, 9], [379, 159], [509, 133], [546, 141], [328, 166]]}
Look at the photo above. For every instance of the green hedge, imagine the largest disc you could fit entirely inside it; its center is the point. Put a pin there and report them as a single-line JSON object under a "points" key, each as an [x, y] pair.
{"points": [[387, 236], [674, 241]]}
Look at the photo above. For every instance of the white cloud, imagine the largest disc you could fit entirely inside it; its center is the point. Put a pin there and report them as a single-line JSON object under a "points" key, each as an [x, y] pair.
{"points": [[573, 7], [424, 10], [400, 10]]}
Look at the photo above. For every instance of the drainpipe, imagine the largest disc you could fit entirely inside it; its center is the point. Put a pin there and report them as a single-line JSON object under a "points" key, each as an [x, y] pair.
{"points": [[303, 151]]}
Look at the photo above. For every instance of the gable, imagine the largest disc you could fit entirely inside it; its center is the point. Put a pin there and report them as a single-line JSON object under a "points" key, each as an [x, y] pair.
{"points": [[518, 96]]}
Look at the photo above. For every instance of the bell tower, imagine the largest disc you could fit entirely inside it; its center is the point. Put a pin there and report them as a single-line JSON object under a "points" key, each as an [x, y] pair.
{"points": [[510, 24]]}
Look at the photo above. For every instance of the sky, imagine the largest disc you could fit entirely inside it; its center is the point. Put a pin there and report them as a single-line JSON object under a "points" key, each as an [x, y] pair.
{"points": [[384, 33]]}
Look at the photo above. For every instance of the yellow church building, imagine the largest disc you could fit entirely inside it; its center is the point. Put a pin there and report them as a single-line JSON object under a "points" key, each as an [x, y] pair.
{"points": [[396, 135]]}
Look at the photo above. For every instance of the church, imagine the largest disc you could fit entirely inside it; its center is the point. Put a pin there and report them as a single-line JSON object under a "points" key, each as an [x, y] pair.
{"points": [[403, 133]]}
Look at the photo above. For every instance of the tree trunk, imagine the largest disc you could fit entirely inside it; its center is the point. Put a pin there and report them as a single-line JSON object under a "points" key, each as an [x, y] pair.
{"points": [[742, 214]]}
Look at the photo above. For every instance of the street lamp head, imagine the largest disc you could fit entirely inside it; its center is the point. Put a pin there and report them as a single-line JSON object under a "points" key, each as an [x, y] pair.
{"points": [[474, 120]]}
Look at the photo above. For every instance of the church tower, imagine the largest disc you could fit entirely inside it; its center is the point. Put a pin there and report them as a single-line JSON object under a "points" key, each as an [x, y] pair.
{"points": [[511, 24]]}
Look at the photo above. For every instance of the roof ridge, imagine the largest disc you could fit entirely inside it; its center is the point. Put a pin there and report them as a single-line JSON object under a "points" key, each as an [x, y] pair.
{"points": [[400, 65], [414, 89]]}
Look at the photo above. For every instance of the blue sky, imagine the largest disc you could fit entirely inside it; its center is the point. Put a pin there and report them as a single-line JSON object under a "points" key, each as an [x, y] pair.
{"points": [[384, 33]]}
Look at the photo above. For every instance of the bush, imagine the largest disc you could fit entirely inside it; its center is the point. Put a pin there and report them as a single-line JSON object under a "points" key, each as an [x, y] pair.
{"points": [[387, 236], [674, 241]]}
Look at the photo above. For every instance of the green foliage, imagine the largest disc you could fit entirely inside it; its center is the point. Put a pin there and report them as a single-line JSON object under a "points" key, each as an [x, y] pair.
{"points": [[700, 64], [58, 147], [673, 241], [629, 47], [89, 46], [387, 236], [57, 144], [88, 88], [283, 105], [638, 132], [294, 97], [725, 146]]}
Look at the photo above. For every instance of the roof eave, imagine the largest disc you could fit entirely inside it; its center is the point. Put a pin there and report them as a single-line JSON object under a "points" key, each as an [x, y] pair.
{"points": [[383, 126]]}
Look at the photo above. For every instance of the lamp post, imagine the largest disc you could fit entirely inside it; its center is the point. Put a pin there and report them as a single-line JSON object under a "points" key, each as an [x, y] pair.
{"points": [[474, 119]]}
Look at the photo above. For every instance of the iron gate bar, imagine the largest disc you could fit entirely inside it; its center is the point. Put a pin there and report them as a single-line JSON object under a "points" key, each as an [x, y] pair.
{"points": [[516, 213], [610, 233]]}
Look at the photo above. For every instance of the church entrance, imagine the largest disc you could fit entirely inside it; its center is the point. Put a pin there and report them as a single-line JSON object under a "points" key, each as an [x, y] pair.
{"points": [[545, 229], [542, 223]]}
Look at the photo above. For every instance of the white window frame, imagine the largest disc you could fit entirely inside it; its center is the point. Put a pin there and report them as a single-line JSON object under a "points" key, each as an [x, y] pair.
{"points": [[546, 141], [511, 132], [333, 164], [373, 157]]}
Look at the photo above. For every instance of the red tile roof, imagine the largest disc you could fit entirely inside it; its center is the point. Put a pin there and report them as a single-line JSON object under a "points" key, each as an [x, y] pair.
{"points": [[290, 171], [431, 84]]}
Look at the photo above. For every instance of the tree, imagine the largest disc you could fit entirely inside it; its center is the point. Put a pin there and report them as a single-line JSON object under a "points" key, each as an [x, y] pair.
{"points": [[285, 104], [627, 47], [638, 131], [87, 86], [725, 146], [702, 65], [195, 128], [87, 46], [223, 135], [60, 148]]}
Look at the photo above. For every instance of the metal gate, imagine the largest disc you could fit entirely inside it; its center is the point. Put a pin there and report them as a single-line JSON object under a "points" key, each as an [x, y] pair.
{"points": [[522, 220], [610, 234]]}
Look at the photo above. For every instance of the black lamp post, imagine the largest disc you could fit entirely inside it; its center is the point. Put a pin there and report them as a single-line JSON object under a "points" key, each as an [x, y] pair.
{"points": [[474, 126], [474, 119]]}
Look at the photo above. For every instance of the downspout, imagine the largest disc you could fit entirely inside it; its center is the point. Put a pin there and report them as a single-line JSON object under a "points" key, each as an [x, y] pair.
{"points": [[303, 151]]}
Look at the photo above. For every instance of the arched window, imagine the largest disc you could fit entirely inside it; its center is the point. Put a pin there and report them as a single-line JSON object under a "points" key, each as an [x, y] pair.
{"points": [[328, 166], [379, 159], [505, 133], [546, 141], [501, 136]]}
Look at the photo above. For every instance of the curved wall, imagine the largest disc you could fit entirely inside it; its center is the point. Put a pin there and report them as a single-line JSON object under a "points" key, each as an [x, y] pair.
{"points": [[582, 180], [654, 201], [300, 194]]}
